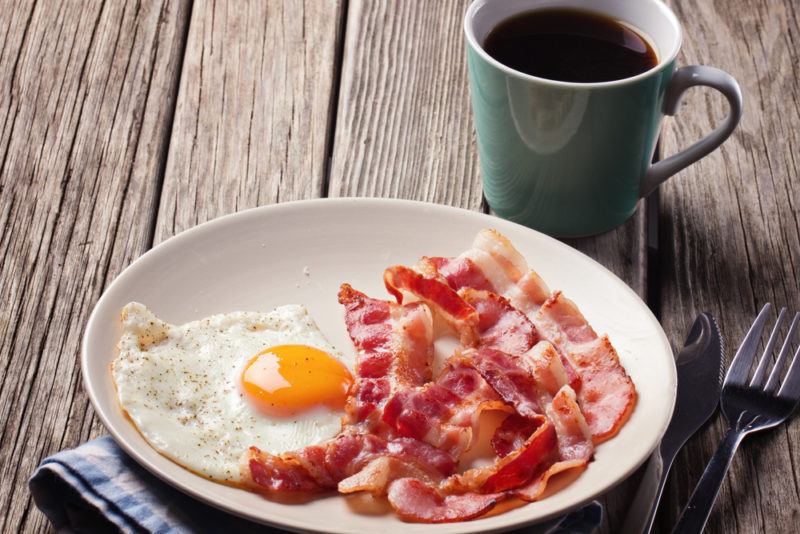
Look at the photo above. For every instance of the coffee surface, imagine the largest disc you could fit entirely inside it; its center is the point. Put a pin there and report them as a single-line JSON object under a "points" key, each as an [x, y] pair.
{"points": [[570, 46]]}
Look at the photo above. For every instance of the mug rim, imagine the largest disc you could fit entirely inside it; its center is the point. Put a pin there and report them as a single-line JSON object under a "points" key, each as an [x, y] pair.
{"points": [[662, 62]]}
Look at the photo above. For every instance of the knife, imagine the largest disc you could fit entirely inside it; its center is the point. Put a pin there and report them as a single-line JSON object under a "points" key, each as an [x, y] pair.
{"points": [[700, 372]]}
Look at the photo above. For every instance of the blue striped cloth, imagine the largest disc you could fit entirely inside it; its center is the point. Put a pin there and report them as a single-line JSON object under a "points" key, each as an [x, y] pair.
{"points": [[98, 488]]}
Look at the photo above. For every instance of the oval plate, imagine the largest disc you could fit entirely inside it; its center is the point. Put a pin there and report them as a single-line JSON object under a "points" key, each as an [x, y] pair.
{"points": [[299, 252]]}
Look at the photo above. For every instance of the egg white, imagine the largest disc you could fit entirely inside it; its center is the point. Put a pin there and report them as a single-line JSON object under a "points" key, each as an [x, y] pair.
{"points": [[180, 386]]}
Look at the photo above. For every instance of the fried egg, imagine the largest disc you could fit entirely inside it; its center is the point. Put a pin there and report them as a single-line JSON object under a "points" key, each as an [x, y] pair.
{"points": [[201, 393]]}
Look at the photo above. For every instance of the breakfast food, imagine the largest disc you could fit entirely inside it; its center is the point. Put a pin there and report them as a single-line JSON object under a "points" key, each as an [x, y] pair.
{"points": [[262, 401], [524, 351], [201, 393]]}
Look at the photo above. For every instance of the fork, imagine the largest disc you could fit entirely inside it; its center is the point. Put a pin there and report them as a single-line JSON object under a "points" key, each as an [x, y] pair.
{"points": [[747, 408]]}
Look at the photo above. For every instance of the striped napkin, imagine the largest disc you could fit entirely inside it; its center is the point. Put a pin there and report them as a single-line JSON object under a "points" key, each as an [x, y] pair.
{"points": [[98, 488]]}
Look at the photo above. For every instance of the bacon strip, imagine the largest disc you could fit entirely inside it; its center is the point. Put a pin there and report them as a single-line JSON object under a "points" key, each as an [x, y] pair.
{"points": [[395, 350], [461, 272], [323, 467], [500, 325], [512, 434], [376, 476], [514, 383], [607, 395], [506, 271], [413, 500], [434, 291], [444, 413], [575, 447], [574, 437]]}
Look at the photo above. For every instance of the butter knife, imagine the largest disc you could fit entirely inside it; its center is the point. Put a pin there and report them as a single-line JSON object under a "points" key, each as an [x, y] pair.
{"points": [[700, 373]]}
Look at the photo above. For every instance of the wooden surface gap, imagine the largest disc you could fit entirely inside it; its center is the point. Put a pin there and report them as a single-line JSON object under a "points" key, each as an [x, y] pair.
{"points": [[651, 256], [170, 124], [335, 103]]}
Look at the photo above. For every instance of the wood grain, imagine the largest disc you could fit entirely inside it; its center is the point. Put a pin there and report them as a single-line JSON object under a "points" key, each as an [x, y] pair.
{"points": [[255, 100], [87, 91], [731, 238], [404, 127]]}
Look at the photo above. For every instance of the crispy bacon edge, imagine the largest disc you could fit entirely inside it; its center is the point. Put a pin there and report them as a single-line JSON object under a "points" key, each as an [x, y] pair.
{"points": [[435, 292], [349, 462]]}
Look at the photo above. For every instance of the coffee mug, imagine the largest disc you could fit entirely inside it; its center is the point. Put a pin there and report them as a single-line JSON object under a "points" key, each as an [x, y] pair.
{"points": [[572, 159]]}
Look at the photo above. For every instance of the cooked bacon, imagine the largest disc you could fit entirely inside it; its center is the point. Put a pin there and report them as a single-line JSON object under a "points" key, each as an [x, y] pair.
{"points": [[514, 469], [413, 500], [524, 351], [517, 468], [461, 272], [543, 364], [536, 450], [563, 324], [512, 434], [607, 395], [322, 467], [605, 392], [574, 436], [395, 350], [500, 325], [273, 474], [434, 291], [494, 265], [376, 476], [575, 447], [444, 413], [536, 487], [535, 384], [514, 383], [506, 271]]}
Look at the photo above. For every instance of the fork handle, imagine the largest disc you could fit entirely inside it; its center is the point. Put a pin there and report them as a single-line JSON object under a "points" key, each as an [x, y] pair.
{"points": [[695, 514]]}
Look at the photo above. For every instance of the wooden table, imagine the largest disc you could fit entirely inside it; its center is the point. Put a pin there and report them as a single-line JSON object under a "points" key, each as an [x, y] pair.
{"points": [[125, 123]]}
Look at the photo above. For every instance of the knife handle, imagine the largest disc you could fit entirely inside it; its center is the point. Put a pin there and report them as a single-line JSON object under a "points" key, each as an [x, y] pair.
{"points": [[695, 514]]}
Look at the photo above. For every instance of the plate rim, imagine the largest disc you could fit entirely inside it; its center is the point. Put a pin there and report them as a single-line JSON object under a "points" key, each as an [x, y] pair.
{"points": [[287, 523]]}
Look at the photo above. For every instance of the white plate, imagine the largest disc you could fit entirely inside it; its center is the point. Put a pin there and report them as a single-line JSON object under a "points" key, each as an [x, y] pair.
{"points": [[300, 252]]}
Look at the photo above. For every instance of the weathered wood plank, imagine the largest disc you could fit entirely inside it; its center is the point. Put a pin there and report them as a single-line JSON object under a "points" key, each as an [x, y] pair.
{"points": [[254, 105], [404, 126], [87, 98], [404, 129], [731, 237]]}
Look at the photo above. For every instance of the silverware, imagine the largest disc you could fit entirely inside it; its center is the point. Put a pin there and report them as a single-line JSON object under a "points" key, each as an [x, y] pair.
{"points": [[700, 371], [747, 408]]}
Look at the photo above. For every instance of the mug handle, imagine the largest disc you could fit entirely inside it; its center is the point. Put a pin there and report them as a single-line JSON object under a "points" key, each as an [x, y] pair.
{"points": [[683, 79]]}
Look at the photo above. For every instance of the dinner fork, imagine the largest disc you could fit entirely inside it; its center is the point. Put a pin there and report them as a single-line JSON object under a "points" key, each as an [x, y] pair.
{"points": [[747, 408]]}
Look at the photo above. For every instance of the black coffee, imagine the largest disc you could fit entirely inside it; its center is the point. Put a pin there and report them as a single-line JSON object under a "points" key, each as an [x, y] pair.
{"points": [[570, 45]]}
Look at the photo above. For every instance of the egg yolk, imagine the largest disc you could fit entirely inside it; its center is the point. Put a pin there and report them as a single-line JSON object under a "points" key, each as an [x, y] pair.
{"points": [[289, 379]]}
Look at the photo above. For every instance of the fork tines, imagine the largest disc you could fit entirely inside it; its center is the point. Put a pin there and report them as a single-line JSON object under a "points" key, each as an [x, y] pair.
{"points": [[740, 366]]}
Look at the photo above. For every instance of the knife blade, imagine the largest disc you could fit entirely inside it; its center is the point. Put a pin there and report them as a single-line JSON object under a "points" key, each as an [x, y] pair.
{"points": [[701, 369]]}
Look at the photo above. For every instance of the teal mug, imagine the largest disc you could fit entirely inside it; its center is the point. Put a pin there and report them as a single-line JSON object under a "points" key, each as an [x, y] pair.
{"points": [[572, 159]]}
